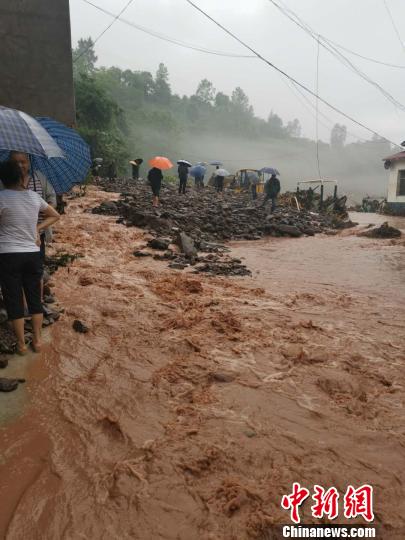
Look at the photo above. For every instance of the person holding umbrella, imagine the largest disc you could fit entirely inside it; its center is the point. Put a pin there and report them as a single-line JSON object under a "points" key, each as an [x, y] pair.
{"points": [[21, 266], [219, 179], [155, 176], [136, 163], [197, 172], [272, 189], [183, 174]]}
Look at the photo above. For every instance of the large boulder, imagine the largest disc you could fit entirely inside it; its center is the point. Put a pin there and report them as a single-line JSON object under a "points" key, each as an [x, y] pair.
{"points": [[159, 243], [187, 245]]}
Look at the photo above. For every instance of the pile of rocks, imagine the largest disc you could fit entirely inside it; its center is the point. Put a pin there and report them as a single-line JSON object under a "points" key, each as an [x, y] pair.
{"points": [[197, 221], [383, 231], [207, 217], [214, 261]]}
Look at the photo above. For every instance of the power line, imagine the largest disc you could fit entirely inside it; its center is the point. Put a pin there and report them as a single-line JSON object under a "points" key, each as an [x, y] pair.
{"points": [[326, 44], [388, 64], [394, 25], [279, 70], [104, 31], [309, 102], [166, 38]]}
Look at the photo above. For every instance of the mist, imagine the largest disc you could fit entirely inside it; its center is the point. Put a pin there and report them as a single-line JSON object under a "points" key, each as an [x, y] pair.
{"points": [[126, 114], [357, 168]]}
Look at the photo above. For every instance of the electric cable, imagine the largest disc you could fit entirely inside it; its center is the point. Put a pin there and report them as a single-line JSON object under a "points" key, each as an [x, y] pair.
{"points": [[285, 74]]}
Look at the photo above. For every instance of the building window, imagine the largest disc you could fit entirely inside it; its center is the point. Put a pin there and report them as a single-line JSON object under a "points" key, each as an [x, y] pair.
{"points": [[401, 183]]}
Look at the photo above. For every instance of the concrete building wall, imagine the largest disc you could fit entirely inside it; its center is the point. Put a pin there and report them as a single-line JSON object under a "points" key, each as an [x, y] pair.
{"points": [[35, 58], [392, 196]]}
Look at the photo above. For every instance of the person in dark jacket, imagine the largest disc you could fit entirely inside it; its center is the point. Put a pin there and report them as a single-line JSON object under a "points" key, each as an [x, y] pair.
{"points": [[183, 175], [272, 189], [155, 178], [112, 170], [199, 181], [219, 182], [135, 165], [253, 180], [135, 170]]}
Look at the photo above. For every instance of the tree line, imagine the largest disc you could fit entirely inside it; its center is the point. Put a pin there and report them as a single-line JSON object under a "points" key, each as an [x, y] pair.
{"points": [[125, 114]]}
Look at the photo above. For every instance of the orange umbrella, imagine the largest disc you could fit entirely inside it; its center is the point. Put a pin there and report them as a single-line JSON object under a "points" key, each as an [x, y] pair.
{"points": [[161, 163]]}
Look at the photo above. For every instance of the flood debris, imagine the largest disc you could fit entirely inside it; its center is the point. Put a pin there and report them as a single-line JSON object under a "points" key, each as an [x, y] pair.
{"points": [[187, 246], [206, 217], [54, 262], [9, 385], [383, 231], [3, 363], [141, 253], [159, 243], [80, 327], [199, 221]]}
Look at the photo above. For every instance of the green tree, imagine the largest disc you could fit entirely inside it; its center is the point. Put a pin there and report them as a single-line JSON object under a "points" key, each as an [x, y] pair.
{"points": [[338, 136], [99, 120], [293, 128], [240, 100], [162, 91], [205, 91], [275, 126], [84, 56]]}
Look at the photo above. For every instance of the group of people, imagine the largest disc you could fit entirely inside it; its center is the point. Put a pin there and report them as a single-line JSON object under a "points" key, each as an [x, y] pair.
{"points": [[155, 176], [216, 179], [27, 212]]}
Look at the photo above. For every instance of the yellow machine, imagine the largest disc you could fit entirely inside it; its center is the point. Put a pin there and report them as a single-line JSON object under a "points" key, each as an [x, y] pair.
{"points": [[241, 181]]}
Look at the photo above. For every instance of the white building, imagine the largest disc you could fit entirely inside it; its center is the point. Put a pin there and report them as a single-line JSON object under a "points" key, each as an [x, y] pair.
{"points": [[396, 183]]}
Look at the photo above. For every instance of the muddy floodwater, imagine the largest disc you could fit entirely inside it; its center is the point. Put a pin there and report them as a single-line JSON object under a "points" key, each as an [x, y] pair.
{"points": [[194, 402]]}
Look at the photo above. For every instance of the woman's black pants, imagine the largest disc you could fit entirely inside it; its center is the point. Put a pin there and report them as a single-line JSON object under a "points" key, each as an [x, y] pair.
{"points": [[21, 272]]}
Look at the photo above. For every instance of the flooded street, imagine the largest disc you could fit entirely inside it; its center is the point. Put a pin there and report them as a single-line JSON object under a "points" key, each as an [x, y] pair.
{"points": [[345, 262], [195, 402]]}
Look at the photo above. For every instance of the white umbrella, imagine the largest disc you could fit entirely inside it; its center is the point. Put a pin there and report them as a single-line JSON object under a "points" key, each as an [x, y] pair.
{"points": [[222, 172], [183, 162]]}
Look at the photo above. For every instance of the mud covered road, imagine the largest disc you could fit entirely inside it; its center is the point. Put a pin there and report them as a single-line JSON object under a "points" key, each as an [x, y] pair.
{"points": [[193, 403]]}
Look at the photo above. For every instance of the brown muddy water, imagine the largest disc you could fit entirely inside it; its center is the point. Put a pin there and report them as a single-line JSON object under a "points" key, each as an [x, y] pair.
{"points": [[194, 403]]}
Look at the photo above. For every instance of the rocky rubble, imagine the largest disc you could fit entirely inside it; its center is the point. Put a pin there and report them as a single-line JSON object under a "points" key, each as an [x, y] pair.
{"points": [[383, 231], [207, 217], [197, 221]]}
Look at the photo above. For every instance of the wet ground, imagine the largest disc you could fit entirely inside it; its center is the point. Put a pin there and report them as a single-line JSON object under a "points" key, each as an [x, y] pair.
{"points": [[194, 403]]}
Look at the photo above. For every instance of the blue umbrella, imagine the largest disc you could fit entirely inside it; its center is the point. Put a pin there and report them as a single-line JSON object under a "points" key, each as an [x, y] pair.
{"points": [[22, 133], [270, 170], [197, 170], [70, 169]]}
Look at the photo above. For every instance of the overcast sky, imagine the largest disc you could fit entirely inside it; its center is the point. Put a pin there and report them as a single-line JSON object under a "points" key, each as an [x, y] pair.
{"points": [[363, 26]]}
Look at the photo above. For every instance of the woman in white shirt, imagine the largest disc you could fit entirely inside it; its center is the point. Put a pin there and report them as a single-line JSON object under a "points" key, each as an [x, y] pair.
{"points": [[20, 263]]}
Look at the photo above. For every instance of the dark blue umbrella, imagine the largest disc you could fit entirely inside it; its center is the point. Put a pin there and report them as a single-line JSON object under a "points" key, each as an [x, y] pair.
{"points": [[63, 173], [197, 170], [70, 169], [270, 170], [22, 133]]}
